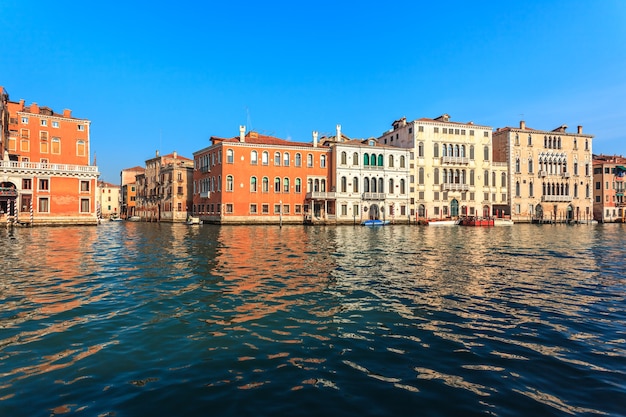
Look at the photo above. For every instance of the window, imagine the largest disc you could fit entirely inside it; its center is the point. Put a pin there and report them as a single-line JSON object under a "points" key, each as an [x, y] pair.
{"points": [[265, 209], [286, 159], [27, 184], [355, 158], [265, 158], [486, 153], [355, 185], [253, 209], [436, 150], [391, 188], [322, 161], [230, 156], [228, 208], [420, 150], [81, 127], [390, 161], [84, 186], [344, 158], [44, 122], [55, 124], [43, 205], [229, 183], [298, 185], [285, 185], [56, 146], [285, 208], [402, 161], [277, 159], [25, 145], [84, 205], [402, 186], [298, 160], [253, 184], [254, 158], [344, 209], [44, 184], [277, 185], [344, 184], [43, 146], [276, 208], [265, 185], [80, 148], [24, 120], [309, 160]]}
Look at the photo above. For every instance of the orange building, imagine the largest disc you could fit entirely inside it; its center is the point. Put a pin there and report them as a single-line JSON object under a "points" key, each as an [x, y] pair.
{"points": [[258, 179], [609, 173], [46, 173], [128, 196]]}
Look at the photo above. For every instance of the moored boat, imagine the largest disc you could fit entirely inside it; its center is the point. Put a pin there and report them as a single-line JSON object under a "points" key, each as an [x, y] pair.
{"points": [[375, 222]]}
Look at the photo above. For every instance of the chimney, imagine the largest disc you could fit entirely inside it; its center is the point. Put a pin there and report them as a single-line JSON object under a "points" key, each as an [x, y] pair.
{"points": [[21, 104], [580, 130], [338, 138], [175, 154], [315, 138], [242, 133], [34, 108], [157, 153], [522, 125], [67, 113]]}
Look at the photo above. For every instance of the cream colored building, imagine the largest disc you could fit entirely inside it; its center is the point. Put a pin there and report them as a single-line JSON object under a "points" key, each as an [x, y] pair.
{"points": [[370, 180], [452, 174], [550, 173], [108, 199]]}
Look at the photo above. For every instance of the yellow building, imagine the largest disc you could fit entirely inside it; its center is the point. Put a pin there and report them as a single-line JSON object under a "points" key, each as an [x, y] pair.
{"points": [[108, 199], [550, 173], [452, 174]]}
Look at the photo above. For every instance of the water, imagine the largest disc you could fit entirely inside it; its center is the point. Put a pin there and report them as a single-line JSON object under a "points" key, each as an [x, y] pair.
{"points": [[131, 319]]}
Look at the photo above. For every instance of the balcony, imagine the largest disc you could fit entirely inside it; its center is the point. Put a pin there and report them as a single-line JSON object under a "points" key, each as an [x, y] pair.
{"points": [[454, 187], [542, 174], [556, 198], [373, 196], [205, 194], [566, 175], [8, 192], [454, 160], [320, 195], [47, 168]]}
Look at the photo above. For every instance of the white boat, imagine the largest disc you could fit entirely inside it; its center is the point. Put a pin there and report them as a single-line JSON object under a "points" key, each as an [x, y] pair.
{"points": [[442, 223], [375, 222], [192, 221], [503, 222]]}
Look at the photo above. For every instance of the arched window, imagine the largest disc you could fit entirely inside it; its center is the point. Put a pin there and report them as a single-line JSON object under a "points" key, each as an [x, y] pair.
{"points": [[486, 153], [254, 157], [229, 183], [277, 185], [402, 186], [230, 156], [265, 185], [450, 150], [493, 179], [420, 176], [265, 158], [277, 158], [344, 158], [436, 150], [444, 150], [436, 176], [309, 160], [366, 159], [298, 159], [471, 155], [517, 165], [253, 184], [530, 165], [381, 161], [456, 150], [80, 148], [373, 184], [355, 159], [285, 185], [286, 159], [298, 185], [390, 189], [355, 185], [420, 149], [390, 161], [344, 184], [322, 161], [517, 189], [381, 185], [462, 154], [373, 159], [309, 185], [503, 179], [486, 178], [530, 189], [366, 185], [402, 161], [323, 185]]}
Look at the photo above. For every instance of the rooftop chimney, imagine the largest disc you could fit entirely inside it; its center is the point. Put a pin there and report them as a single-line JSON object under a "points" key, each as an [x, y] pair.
{"points": [[315, 138], [242, 133], [580, 130], [34, 108], [522, 124], [338, 138], [67, 113], [175, 154], [157, 153]]}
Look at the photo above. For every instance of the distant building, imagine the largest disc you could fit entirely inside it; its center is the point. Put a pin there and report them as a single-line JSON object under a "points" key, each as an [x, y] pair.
{"points": [[128, 191], [549, 171], [45, 170], [108, 199], [609, 174], [164, 190], [255, 178], [451, 173]]}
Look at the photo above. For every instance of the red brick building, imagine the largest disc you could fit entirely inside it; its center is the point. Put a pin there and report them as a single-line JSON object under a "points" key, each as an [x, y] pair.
{"points": [[255, 178], [46, 173]]}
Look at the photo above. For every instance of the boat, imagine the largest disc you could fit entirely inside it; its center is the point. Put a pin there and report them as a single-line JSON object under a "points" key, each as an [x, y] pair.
{"points": [[476, 221], [192, 221], [442, 223], [134, 218], [503, 222], [375, 222], [116, 219]]}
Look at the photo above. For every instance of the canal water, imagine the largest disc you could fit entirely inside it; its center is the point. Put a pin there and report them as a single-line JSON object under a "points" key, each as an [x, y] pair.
{"points": [[146, 319]]}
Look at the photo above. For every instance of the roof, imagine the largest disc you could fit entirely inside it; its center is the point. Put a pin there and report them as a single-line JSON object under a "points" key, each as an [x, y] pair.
{"points": [[257, 139], [137, 168]]}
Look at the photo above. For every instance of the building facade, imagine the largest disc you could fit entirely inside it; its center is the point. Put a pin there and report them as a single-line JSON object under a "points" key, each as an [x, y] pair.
{"points": [[128, 191], [369, 181], [108, 199], [46, 173], [451, 170], [550, 173], [608, 191], [164, 189], [255, 178]]}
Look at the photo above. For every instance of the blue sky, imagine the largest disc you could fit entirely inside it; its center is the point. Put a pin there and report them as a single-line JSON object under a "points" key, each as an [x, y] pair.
{"points": [[169, 75]]}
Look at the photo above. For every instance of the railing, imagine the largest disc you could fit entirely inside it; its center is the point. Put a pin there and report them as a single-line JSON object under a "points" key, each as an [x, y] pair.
{"points": [[373, 196], [454, 187], [454, 160], [8, 192], [542, 174], [41, 166], [566, 175], [556, 198], [320, 195]]}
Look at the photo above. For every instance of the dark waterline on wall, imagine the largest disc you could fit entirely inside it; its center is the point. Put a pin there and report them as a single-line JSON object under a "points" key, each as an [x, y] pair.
{"points": [[130, 319]]}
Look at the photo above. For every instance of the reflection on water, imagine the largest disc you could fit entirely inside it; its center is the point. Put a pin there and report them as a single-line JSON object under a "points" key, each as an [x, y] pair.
{"points": [[139, 319]]}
